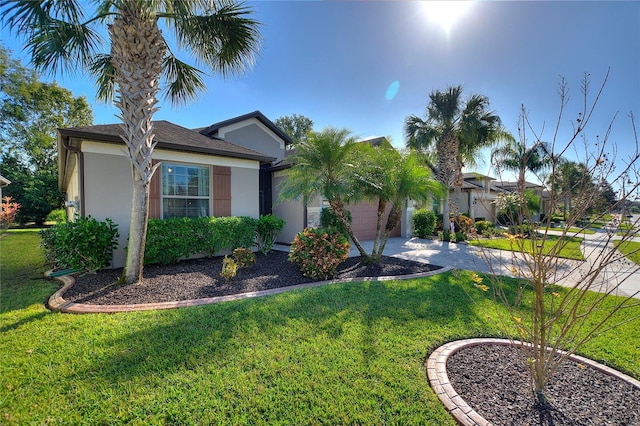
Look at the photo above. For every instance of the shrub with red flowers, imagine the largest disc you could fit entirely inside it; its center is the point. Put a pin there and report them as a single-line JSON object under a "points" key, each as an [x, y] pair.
{"points": [[9, 211]]}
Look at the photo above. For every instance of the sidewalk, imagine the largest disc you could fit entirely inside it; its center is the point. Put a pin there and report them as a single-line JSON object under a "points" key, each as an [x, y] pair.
{"points": [[500, 262]]}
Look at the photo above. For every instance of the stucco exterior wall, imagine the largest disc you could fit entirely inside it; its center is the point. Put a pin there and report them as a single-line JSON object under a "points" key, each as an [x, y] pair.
{"points": [[245, 193], [107, 189], [254, 135], [108, 185], [291, 211]]}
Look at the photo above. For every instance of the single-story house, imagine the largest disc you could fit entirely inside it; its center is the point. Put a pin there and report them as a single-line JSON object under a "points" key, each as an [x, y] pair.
{"points": [[478, 193], [230, 168]]}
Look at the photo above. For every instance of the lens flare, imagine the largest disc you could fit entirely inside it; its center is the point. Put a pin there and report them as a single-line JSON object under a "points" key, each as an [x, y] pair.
{"points": [[392, 90]]}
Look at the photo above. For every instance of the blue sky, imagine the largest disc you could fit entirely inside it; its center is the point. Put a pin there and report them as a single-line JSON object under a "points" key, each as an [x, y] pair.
{"points": [[335, 62]]}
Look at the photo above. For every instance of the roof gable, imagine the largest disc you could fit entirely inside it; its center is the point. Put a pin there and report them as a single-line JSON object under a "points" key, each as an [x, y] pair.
{"points": [[215, 128]]}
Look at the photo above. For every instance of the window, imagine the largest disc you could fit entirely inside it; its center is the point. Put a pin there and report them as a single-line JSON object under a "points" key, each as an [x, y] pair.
{"points": [[185, 191]]}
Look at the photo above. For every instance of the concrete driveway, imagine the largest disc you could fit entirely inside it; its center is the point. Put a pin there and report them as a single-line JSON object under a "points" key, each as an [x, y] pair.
{"points": [[620, 276]]}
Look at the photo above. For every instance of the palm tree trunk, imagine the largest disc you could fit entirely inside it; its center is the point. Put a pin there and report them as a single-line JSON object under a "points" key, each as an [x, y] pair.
{"points": [[392, 221], [447, 161], [137, 52], [382, 206]]}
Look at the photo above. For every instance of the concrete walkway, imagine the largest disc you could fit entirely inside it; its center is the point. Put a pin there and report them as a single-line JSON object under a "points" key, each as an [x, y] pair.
{"points": [[620, 273]]}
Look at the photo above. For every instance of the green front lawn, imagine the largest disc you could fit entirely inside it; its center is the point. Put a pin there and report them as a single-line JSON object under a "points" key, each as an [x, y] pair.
{"points": [[348, 353], [631, 249], [570, 250]]}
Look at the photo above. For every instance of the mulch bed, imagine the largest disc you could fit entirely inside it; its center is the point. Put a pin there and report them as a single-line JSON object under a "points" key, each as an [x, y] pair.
{"points": [[491, 379], [200, 278], [494, 381]]}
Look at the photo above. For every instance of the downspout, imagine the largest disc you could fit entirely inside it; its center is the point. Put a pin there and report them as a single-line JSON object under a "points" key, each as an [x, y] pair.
{"points": [[80, 156]]}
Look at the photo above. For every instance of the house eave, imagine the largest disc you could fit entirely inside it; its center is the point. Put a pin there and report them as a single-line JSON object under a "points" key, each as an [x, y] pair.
{"points": [[166, 145]]}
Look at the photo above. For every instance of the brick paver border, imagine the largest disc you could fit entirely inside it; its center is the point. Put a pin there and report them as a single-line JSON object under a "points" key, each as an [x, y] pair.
{"points": [[57, 303], [436, 367]]}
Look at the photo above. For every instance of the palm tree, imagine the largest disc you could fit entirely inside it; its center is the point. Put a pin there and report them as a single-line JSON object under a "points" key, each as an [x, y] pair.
{"points": [[324, 164], [517, 157], [60, 36], [479, 128], [453, 133], [390, 178]]}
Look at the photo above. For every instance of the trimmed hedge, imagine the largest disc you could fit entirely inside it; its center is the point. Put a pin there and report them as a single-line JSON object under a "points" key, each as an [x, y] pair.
{"points": [[85, 244], [169, 240], [424, 223]]}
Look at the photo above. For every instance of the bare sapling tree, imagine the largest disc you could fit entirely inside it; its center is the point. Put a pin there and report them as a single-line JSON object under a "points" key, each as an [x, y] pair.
{"points": [[567, 302]]}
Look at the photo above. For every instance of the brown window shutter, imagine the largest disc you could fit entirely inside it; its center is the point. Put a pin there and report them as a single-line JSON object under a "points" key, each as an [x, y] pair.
{"points": [[155, 192], [221, 191]]}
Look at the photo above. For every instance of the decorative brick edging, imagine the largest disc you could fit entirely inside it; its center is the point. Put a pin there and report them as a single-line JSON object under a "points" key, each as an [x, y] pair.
{"points": [[57, 302], [439, 380]]}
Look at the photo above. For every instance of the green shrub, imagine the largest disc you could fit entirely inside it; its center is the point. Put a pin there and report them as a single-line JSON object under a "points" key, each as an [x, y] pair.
{"points": [[57, 216], [267, 229], [244, 257], [169, 240], [319, 251], [424, 223], [84, 244], [483, 225], [460, 236], [329, 220]]}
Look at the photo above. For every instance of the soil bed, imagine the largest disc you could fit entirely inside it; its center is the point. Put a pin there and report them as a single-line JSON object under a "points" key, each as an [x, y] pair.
{"points": [[200, 278], [494, 381]]}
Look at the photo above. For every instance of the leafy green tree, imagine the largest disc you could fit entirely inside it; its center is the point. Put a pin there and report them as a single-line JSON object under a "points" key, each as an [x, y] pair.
{"points": [[61, 35], [452, 134], [569, 180], [30, 113], [297, 127]]}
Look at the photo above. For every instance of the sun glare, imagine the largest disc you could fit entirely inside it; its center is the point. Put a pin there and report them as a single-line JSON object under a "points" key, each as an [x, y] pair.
{"points": [[445, 13]]}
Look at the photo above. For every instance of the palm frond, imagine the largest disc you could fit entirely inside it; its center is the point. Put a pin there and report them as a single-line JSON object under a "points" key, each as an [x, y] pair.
{"points": [[103, 71], [184, 82], [226, 39], [54, 32]]}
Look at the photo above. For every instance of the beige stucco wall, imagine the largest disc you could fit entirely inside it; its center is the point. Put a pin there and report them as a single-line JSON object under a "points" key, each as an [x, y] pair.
{"points": [[292, 211], [245, 192], [108, 194], [108, 185]]}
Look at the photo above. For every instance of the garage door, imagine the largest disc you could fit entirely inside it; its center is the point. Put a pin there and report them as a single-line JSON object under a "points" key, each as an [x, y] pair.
{"points": [[364, 216]]}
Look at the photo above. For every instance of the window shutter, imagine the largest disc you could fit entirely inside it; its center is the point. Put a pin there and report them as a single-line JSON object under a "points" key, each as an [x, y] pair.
{"points": [[155, 193], [221, 191]]}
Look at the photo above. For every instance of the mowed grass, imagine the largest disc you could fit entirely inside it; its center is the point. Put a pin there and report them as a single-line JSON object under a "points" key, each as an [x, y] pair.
{"points": [[570, 248], [348, 353], [631, 249]]}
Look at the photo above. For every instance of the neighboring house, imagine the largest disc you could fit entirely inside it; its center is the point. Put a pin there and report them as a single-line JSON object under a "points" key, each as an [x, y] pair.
{"points": [[538, 190], [478, 193], [3, 182]]}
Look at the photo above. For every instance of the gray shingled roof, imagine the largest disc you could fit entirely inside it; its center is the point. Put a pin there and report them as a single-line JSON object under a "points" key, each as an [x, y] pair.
{"points": [[170, 136]]}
